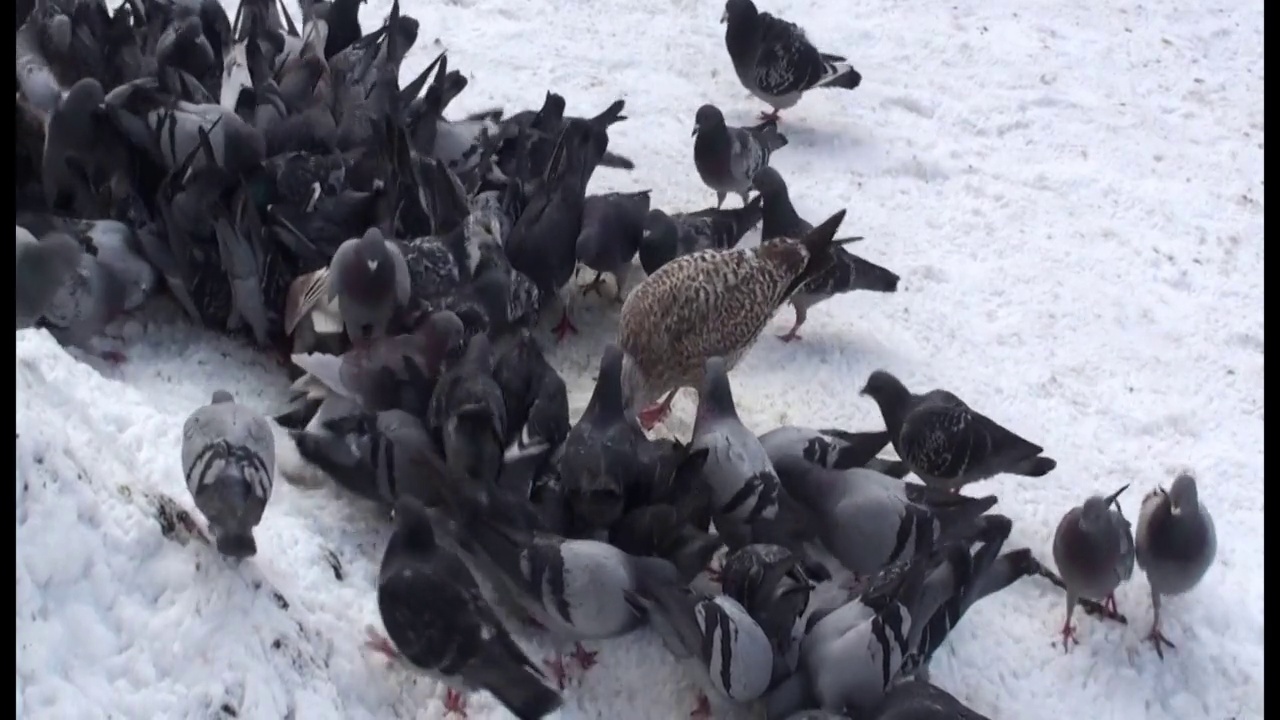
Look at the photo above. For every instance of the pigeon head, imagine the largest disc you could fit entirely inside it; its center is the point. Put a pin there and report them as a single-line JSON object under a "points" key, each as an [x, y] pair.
{"points": [[221, 396], [770, 183], [708, 117], [369, 278], [1095, 514], [1183, 494], [736, 11], [659, 242], [883, 387], [83, 97], [715, 396], [413, 527], [444, 332]]}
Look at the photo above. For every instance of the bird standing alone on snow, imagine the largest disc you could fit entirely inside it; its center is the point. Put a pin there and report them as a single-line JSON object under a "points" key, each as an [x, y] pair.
{"points": [[728, 158], [228, 457], [1176, 545], [775, 61]]}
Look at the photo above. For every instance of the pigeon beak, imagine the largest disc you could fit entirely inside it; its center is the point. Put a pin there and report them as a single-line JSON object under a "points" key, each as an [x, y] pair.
{"points": [[724, 16], [695, 131], [1112, 497]]}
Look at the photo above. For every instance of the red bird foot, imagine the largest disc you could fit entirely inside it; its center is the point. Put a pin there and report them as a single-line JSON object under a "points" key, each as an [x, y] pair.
{"points": [[713, 574], [1109, 604], [585, 658], [791, 336], [455, 703], [770, 116], [1157, 638], [1069, 637], [652, 415], [564, 327], [377, 642], [115, 357], [702, 711], [556, 667]]}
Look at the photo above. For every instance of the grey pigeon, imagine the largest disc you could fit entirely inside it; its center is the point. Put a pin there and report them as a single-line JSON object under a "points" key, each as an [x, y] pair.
{"points": [[228, 458], [867, 520], [849, 272], [613, 225], [537, 411], [439, 624], [775, 61], [829, 448], [774, 588], [369, 278], [77, 286], [600, 461], [377, 456], [576, 589], [1176, 544], [1094, 550], [706, 304], [947, 443], [728, 158], [747, 498], [921, 700], [667, 237], [468, 415], [732, 655]]}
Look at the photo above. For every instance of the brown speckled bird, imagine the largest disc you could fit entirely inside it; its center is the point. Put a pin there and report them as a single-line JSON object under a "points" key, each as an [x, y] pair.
{"points": [[709, 303]]}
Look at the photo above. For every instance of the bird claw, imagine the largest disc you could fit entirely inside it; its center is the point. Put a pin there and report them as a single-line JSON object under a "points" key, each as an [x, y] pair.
{"points": [[702, 711], [713, 574], [653, 415], [455, 703], [564, 327], [586, 659], [594, 286], [556, 667], [1157, 638], [379, 643], [790, 336], [770, 116], [1069, 637]]}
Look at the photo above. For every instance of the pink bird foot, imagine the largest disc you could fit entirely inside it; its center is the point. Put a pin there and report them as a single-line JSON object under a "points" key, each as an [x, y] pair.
{"points": [[771, 116], [564, 327], [585, 658], [1069, 637], [455, 703], [702, 711], [556, 667]]}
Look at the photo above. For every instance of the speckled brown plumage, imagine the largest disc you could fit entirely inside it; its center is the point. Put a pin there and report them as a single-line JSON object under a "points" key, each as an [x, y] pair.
{"points": [[711, 303]]}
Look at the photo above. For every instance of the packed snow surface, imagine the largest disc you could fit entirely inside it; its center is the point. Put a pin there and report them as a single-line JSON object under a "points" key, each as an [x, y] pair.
{"points": [[1073, 195]]}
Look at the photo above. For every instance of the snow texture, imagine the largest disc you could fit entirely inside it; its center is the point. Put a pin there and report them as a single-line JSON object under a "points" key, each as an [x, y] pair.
{"points": [[1073, 194]]}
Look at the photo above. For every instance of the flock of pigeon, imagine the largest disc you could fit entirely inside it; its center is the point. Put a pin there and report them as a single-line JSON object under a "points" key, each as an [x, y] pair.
{"points": [[281, 184]]}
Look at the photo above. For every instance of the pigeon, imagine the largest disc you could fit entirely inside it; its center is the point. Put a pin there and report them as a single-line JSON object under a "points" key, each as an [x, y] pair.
{"points": [[537, 411], [745, 490], [377, 456], [867, 520], [706, 304], [1176, 544], [369, 278], [727, 158], [732, 654], [775, 589], [849, 272], [830, 448], [667, 237], [576, 589], [78, 285], [1094, 550], [921, 700], [468, 415], [946, 442], [70, 143], [438, 623], [613, 225], [228, 458], [600, 461], [775, 61]]}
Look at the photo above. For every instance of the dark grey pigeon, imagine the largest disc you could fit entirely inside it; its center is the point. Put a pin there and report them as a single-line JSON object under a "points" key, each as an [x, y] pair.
{"points": [[601, 453], [71, 141], [664, 531], [468, 416], [1094, 550], [378, 456], [229, 458], [1176, 544], [613, 225], [747, 500], [537, 410], [775, 61], [921, 700], [867, 520], [439, 624], [728, 158], [667, 237], [947, 443], [369, 278]]}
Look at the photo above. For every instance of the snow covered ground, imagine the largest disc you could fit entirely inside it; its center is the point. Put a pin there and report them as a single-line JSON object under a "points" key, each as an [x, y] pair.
{"points": [[1072, 193]]}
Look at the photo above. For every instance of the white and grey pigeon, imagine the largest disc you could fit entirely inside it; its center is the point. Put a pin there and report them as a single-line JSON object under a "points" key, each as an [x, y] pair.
{"points": [[733, 657], [747, 499], [439, 624], [728, 158], [946, 442], [576, 589], [1176, 544], [369, 279], [1094, 550], [832, 448], [77, 285], [228, 459], [775, 61], [867, 520]]}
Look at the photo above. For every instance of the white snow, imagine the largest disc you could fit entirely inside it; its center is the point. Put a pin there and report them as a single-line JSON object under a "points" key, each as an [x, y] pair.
{"points": [[1073, 195]]}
